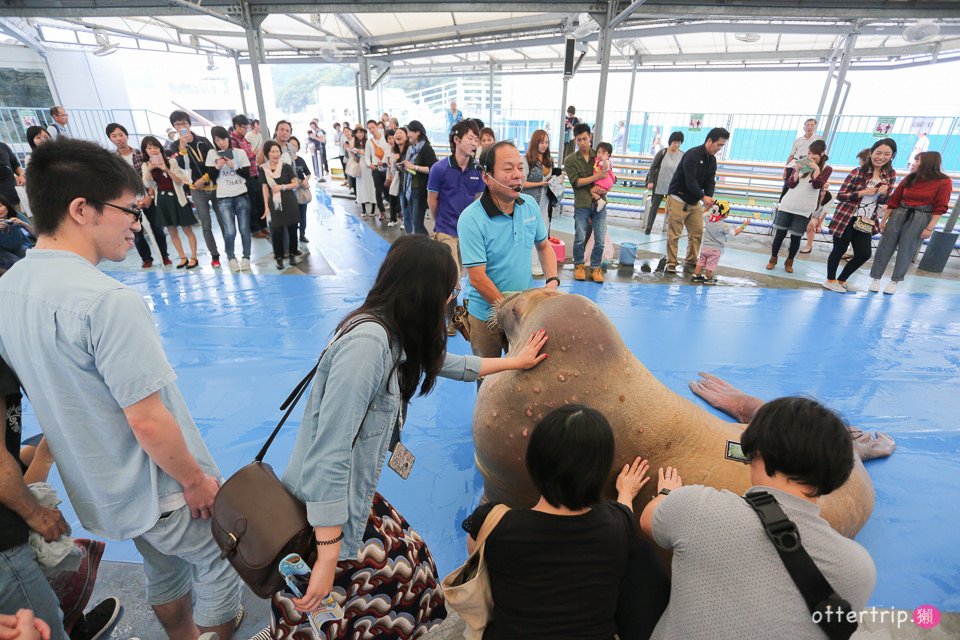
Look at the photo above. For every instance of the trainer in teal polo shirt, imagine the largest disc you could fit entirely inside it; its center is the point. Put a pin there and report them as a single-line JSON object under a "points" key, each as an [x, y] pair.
{"points": [[502, 242], [456, 189]]}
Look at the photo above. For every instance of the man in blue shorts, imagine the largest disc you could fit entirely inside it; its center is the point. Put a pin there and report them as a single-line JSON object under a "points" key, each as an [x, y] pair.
{"points": [[87, 352]]}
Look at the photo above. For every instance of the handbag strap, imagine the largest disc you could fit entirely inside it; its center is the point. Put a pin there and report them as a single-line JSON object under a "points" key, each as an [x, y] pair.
{"points": [[493, 519], [817, 593], [291, 402]]}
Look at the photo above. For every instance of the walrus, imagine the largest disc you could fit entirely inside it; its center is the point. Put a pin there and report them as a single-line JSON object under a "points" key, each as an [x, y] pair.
{"points": [[589, 363]]}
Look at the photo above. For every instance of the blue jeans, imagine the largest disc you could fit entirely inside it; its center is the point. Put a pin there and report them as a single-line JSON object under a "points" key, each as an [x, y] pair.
{"points": [[23, 586], [582, 216], [417, 206], [236, 215]]}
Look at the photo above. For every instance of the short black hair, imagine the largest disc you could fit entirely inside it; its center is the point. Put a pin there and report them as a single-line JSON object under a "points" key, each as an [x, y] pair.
{"points": [[461, 129], [570, 456], [267, 146], [113, 126], [676, 136], [488, 159], [32, 132], [55, 109], [66, 169], [240, 120], [583, 127], [375, 122], [254, 121], [336, 125], [571, 109], [606, 146], [802, 439], [717, 133], [295, 139], [178, 115], [220, 132], [487, 131]]}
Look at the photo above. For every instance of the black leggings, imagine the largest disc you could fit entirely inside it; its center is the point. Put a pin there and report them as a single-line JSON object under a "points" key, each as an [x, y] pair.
{"points": [[862, 248], [277, 236], [394, 207], [778, 241], [379, 179]]}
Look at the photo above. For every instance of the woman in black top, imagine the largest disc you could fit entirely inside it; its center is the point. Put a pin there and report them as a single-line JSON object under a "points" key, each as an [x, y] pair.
{"points": [[573, 566], [420, 157], [278, 182], [303, 176]]}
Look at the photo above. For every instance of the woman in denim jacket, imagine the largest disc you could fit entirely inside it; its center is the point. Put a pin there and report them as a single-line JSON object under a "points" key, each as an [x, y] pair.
{"points": [[388, 350]]}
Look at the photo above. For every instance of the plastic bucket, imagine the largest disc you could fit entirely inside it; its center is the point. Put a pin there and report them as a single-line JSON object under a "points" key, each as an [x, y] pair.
{"points": [[628, 254], [559, 248]]}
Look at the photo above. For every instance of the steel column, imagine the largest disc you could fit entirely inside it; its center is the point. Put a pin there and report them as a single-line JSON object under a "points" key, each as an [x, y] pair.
{"points": [[633, 82], [255, 46], [490, 115], [606, 40], [243, 95], [561, 131], [828, 132]]}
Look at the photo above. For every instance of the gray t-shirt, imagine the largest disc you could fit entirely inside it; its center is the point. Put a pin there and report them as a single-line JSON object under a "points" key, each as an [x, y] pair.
{"points": [[668, 167], [729, 582], [715, 234], [85, 347]]}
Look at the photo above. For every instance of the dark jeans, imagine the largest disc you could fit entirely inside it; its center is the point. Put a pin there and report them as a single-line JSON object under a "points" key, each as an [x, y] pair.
{"points": [[303, 221], [862, 249], [655, 201], [778, 241], [277, 235], [255, 191], [414, 210], [140, 240], [379, 179]]}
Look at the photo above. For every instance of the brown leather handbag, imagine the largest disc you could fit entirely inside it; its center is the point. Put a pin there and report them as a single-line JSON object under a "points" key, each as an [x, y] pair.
{"points": [[257, 521]]}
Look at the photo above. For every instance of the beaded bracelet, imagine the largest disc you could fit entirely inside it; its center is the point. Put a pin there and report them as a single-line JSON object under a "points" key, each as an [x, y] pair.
{"points": [[322, 543]]}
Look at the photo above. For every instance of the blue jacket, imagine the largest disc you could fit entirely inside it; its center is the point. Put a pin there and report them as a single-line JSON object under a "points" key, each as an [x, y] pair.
{"points": [[353, 396]]}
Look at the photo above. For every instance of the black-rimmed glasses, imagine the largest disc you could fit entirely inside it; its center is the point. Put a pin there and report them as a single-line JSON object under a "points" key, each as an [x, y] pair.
{"points": [[136, 213]]}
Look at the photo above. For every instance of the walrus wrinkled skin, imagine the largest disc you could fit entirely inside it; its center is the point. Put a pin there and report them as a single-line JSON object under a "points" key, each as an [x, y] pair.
{"points": [[588, 363]]}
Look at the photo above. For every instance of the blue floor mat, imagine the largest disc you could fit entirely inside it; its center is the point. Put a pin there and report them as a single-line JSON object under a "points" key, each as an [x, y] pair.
{"points": [[239, 343]]}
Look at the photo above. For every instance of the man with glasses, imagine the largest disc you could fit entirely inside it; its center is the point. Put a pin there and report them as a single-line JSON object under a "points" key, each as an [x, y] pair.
{"points": [[239, 133], [58, 128], [193, 152], [128, 451]]}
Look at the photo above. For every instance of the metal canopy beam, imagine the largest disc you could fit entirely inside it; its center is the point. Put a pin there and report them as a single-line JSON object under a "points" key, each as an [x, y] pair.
{"points": [[626, 13], [194, 7], [92, 26], [17, 32]]}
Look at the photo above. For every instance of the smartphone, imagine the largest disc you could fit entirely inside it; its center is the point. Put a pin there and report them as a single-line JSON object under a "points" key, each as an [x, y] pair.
{"points": [[735, 452], [557, 171], [156, 160], [226, 154]]}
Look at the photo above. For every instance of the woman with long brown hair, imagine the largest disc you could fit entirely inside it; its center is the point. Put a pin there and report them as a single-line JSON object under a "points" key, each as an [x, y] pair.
{"points": [[537, 166], [389, 349], [799, 202], [910, 218]]}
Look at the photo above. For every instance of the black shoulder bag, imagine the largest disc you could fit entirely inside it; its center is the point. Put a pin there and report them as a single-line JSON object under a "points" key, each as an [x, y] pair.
{"points": [[816, 591]]}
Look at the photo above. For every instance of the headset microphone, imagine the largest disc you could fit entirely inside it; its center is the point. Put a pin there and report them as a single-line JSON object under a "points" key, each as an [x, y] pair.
{"points": [[517, 188]]}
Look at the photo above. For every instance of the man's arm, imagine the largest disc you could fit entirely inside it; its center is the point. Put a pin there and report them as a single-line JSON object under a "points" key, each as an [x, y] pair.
{"points": [[16, 496], [158, 433], [433, 199], [480, 281], [548, 262]]}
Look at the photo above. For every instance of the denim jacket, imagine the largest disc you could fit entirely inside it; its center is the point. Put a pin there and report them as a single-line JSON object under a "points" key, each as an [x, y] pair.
{"points": [[353, 395]]}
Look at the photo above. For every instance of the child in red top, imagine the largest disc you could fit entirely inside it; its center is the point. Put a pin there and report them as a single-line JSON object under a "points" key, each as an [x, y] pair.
{"points": [[602, 185]]}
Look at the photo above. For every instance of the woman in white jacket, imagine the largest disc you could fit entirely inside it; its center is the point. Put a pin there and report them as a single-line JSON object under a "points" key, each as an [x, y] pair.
{"points": [[377, 158], [166, 178]]}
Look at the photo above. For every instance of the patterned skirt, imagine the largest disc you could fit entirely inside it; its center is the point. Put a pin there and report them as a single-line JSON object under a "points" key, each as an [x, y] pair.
{"points": [[390, 591]]}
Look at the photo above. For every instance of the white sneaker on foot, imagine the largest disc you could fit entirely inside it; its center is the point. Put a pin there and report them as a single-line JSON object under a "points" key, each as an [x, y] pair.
{"points": [[833, 285], [891, 288], [234, 265], [392, 223], [875, 286], [245, 264]]}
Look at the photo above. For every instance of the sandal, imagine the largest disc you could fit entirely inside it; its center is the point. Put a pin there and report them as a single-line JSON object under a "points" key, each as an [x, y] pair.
{"points": [[806, 251]]}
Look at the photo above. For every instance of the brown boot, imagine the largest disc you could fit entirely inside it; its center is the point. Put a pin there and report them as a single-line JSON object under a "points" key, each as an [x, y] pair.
{"points": [[597, 275], [772, 263], [579, 273], [788, 266]]}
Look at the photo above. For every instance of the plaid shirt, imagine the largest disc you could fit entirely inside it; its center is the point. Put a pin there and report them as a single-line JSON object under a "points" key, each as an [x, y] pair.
{"points": [[137, 159], [849, 201], [247, 149]]}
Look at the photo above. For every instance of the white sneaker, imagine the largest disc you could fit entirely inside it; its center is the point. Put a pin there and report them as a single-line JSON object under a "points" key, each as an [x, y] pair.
{"points": [[234, 265], [393, 223], [848, 286], [601, 203], [874, 286], [245, 264], [834, 286], [891, 288], [537, 270]]}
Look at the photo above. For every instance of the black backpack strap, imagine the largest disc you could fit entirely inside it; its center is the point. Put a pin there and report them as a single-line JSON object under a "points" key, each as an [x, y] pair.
{"points": [[291, 402], [819, 596]]}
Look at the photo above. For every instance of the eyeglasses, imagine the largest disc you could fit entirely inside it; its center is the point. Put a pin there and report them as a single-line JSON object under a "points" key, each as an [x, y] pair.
{"points": [[136, 213]]}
